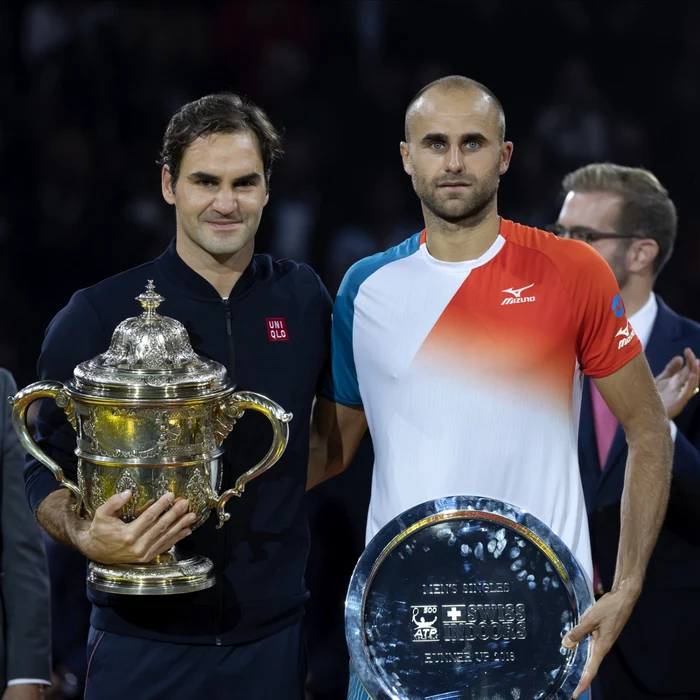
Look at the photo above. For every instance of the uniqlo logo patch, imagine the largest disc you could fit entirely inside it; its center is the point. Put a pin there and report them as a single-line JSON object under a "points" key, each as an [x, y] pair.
{"points": [[277, 329]]}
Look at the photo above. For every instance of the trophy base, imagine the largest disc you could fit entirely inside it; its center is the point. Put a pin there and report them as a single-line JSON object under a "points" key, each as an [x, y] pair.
{"points": [[168, 574]]}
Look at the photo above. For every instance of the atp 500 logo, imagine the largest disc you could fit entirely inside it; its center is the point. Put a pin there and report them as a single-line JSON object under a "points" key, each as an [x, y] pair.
{"points": [[425, 619]]}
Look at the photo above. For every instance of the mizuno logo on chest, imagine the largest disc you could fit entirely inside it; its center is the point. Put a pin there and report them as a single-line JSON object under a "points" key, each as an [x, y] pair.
{"points": [[516, 295]]}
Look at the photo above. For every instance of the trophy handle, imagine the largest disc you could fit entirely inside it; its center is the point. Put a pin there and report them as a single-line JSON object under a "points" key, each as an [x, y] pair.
{"points": [[234, 407], [20, 403]]}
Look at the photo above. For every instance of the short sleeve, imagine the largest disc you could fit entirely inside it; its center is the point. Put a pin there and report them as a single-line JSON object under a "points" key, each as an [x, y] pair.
{"points": [[605, 339], [345, 385], [345, 381]]}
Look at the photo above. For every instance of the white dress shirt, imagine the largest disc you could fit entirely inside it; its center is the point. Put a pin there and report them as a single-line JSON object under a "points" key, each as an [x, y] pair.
{"points": [[643, 320], [28, 681]]}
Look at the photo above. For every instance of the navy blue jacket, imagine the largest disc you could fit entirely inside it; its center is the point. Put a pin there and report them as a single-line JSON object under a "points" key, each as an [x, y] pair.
{"points": [[657, 642], [260, 554]]}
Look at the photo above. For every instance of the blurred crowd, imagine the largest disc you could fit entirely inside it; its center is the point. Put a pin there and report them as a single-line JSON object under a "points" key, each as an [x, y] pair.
{"points": [[89, 85]]}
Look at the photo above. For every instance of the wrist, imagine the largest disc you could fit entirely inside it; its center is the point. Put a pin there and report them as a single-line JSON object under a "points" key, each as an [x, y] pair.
{"points": [[79, 535], [629, 586]]}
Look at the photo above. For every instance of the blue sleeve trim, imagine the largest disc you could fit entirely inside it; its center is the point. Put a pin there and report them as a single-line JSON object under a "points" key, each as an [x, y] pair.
{"points": [[345, 384]]}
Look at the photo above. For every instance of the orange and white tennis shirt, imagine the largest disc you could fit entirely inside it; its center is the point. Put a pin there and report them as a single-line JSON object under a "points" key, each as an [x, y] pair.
{"points": [[470, 372]]}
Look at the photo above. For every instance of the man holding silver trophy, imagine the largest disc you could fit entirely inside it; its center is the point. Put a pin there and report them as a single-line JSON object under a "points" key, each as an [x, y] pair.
{"points": [[154, 420], [463, 349]]}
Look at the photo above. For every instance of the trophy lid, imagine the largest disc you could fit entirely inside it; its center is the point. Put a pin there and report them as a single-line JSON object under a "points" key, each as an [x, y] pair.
{"points": [[150, 357]]}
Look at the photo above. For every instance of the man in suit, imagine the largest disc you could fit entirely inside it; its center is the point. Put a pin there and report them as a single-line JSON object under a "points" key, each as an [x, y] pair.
{"points": [[25, 644], [628, 217]]}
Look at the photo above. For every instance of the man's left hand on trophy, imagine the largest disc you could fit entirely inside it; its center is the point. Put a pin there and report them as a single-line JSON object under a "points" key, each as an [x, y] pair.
{"points": [[109, 540], [603, 621]]}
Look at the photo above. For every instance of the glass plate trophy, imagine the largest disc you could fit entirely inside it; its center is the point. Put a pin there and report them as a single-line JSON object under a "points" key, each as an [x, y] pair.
{"points": [[466, 598], [151, 416]]}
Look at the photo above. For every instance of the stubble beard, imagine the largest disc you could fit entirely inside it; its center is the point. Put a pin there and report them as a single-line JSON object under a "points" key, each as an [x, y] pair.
{"points": [[220, 245], [472, 206]]}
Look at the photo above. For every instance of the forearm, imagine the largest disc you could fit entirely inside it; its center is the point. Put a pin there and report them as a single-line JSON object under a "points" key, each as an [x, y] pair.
{"points": [[57, 517], [644, 499], [323, 462], [336, 432]]}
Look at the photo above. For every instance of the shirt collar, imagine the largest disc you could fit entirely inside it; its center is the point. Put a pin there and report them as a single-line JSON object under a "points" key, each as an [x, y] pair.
{"points": [[643, 320]]}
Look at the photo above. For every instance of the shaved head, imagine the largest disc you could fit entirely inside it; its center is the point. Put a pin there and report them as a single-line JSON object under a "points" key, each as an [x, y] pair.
{"points": [[455, 84], [455, 150]]}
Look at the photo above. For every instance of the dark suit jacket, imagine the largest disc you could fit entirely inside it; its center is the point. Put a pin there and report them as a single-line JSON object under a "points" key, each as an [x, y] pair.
{"points": [[659, 642], [25, 644]]}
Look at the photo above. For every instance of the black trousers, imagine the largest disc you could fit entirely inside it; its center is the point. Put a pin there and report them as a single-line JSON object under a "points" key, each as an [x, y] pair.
{"points": [[618, 683], [128, 668], [70, 621]]}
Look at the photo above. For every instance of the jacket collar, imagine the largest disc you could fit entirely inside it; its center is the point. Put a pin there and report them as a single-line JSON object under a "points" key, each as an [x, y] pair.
{"points": [[191, 283], [664, 334]]}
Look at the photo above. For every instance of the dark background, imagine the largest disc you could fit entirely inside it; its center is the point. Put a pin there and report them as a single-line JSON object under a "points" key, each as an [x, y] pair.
{"points": [[87, 89]]}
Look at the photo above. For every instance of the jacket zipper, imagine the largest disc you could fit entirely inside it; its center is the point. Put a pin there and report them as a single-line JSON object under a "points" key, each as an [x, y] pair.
{"points": [[222, 536], [229, 331]]}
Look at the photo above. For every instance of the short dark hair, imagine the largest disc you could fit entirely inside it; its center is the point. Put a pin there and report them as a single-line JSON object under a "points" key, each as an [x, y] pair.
{"points": [[646, 210], [221, 113], [458, 82]]}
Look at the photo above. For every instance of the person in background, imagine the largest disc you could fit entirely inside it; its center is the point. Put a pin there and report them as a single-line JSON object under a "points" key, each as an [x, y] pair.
{"points": [[25, 615], [627, 216]]}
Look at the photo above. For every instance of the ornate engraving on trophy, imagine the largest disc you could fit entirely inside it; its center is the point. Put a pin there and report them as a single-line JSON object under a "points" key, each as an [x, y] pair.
{"points": [[91, 486], [87, 439], [98, 496], [161, 486], [190, 570], [146, 433], [81, 478], [169, 430], [127, 482], [64, 401], [224, 419], [197, 491]]}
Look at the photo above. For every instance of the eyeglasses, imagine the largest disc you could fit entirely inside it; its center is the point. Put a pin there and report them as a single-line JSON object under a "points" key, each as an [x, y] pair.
{"points": [[587, 235]]}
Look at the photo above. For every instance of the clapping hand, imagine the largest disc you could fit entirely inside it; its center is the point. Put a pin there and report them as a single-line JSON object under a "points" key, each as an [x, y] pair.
{"points": [[678, 383]]}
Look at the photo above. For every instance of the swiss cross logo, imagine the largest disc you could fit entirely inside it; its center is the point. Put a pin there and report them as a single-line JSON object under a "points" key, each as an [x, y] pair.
{"points": [[277, 329]]}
